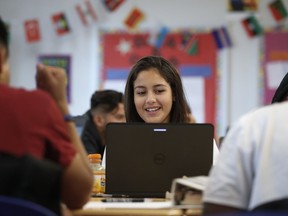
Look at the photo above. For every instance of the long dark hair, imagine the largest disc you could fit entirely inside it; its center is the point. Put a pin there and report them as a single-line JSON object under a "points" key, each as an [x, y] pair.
{"points": [[4, 36], [170, 74]]}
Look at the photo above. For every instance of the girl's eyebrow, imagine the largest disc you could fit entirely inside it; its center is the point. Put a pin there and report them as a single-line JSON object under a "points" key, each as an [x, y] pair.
{"points": [[160, 85], [139, 87], [157, 85]]}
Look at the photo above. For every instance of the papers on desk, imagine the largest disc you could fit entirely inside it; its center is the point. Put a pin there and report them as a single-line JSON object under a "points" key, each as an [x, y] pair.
{"points": [[129, 205], [188, 190], [186, 194]]}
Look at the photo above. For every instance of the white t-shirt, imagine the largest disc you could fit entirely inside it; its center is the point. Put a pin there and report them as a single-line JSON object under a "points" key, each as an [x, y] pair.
{"points": [[252, 167]]}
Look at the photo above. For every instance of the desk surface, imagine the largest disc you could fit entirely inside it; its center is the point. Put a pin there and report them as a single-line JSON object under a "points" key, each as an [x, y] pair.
{"points": [[134, 212]]}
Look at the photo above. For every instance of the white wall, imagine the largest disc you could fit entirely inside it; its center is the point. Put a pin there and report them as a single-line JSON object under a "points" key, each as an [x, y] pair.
{"points": [[239, 66], [81, 44]]}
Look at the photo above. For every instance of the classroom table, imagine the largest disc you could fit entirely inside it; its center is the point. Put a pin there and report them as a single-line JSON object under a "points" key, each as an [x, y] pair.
{"points": [[135, 212]]}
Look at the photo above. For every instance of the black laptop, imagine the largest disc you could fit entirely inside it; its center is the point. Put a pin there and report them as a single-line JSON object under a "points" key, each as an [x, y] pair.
{"points": [[142, 159]]}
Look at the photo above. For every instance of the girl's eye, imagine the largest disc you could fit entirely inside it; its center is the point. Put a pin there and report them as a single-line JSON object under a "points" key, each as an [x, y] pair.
{"points": [[159, 91], [140, 92]]}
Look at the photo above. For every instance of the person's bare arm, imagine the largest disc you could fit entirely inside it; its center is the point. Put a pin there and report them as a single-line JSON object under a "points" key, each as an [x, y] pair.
{"points": [[77, 178], [210, 209]]}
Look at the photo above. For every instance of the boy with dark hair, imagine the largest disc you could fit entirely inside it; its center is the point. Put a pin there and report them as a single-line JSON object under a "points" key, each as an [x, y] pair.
{"points": [[105, 106]]}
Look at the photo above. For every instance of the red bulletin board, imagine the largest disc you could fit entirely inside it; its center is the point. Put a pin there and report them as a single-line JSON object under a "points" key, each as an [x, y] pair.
{"points": [[122, 50], [275, 62]]}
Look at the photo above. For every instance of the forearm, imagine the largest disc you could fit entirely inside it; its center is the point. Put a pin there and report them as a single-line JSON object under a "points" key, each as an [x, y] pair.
{"points": [[76, 193], [77, 178], [209, 209], [75, 139]]}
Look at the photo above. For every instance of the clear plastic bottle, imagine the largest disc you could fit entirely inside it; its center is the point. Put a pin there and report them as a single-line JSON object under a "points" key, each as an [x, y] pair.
{"points": [[99, 173]]}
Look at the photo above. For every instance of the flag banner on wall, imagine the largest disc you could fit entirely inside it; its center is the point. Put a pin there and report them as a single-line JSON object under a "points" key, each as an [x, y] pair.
{"points": [[62, 61], [161, 37], [185, 37], [221, 37], [87, 13], [134, 18], [278, 10], [32, 30], [251, 26], [242, 5], [60, 23], [122, 50], [112, 5], [192, 46]]}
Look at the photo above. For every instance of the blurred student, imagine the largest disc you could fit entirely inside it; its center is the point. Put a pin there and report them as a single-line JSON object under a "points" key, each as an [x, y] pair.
{"points": [[251, 171], [105, 106], [154, 94], [32, 123]]}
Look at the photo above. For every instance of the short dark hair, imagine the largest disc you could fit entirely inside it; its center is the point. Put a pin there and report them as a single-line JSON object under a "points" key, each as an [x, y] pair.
{"points": [[105, 100], [282, 90], [3, 35], [170, 74]]}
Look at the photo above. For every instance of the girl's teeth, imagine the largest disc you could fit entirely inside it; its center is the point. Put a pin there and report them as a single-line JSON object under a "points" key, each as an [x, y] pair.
{"points": [[151, 110]]}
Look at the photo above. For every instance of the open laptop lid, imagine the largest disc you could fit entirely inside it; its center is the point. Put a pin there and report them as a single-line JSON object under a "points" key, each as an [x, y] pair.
{"points": [[142, 159]]}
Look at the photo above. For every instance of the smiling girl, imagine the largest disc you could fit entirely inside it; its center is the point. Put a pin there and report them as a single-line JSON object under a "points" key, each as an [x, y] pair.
{"points": [[154, 93]]}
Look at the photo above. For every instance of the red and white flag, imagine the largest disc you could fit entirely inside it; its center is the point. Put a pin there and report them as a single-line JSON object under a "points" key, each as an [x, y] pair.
{"points": [[112, 5], [134, 18], [32, 30], [87, 13]]}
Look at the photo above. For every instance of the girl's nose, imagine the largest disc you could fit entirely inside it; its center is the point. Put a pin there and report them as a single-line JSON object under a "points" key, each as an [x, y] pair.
{"points": [[151, 99]]}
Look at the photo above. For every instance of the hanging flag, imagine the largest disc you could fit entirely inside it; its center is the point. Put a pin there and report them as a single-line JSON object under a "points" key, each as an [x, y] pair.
{"points": [[221, 37], [61, 24], [185, 37], [278, 10], [161, 37], [243, 5], [112, 5], [134, 18], [86, 14], [192, 46], [32, 30], [252, 26]]}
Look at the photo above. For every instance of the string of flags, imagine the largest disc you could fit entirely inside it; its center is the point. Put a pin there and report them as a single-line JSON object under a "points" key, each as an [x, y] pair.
{"points": [[252, 26], [221, 37], [190, 43], [278, 10], [61, 23], [87, 13], [112, 5], [134, 18], [32, 30]]}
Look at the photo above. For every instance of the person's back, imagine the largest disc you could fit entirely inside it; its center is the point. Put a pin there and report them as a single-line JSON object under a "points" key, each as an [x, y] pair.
{"points": [[26, 130], [251, 168], [32, 124]]}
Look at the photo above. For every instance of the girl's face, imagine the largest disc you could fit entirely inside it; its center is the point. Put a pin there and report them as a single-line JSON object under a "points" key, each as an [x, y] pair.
{"points": [[152, 97]]}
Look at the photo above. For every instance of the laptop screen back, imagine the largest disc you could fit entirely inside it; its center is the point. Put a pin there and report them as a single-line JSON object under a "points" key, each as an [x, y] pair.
{"points": [[143, 159]]}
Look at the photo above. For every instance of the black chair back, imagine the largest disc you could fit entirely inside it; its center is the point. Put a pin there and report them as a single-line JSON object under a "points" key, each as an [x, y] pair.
{"points": [[31, 179]]}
